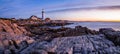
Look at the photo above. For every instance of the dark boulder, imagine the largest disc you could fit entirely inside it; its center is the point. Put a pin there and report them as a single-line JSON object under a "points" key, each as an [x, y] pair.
{"points": [[111, 34], [104, 30]]}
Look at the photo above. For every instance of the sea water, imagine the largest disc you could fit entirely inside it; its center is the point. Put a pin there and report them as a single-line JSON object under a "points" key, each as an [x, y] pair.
{"points": [[96, 25]]}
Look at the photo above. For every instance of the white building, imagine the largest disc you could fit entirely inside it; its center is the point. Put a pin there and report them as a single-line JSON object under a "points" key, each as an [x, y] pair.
{"points": [[33, 17]]}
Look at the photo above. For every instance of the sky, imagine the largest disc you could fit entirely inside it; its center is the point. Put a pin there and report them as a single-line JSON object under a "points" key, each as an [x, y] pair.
{"points": [[76, 10]]}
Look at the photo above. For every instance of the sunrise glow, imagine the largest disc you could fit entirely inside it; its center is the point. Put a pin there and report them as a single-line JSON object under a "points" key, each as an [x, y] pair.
{"points": [[89, 15]]}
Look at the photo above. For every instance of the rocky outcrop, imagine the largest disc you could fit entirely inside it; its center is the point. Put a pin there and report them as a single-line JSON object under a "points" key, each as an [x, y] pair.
{"points": [[45, 40], [86, 44], [79, 30], [11, 28], [11, 35], [48, 34], [111, 35], [16, 43]]}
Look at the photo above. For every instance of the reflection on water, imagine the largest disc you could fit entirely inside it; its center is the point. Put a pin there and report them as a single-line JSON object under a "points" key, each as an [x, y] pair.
{"points": [[97, 25]]}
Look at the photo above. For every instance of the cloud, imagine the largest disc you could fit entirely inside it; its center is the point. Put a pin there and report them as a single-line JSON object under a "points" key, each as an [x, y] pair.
{"points": [[15, 8]]}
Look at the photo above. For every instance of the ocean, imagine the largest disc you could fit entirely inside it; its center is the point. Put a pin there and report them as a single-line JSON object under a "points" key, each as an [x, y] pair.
{"points": [[95, 25]]}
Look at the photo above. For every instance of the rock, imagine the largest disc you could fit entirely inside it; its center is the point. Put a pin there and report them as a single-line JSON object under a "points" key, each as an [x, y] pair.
{"points": [[104, 30], [7, 52], [38, 52], [11, 28], [11, 35], [30, 40], [111, 34], [23, 45], [5, 25], [79, 30], [6, 43], [85, 44], [15, 44], [1, 46]]}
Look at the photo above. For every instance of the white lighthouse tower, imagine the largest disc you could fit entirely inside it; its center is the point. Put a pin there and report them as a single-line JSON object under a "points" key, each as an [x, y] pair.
{"points": [[43, 14]]}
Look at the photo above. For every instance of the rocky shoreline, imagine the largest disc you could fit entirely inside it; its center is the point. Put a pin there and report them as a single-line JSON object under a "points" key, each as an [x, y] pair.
{"points": [[34, 39], [79, 40]]}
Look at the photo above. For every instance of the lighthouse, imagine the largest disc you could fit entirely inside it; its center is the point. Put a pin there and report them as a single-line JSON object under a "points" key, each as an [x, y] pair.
{"points": [[43, 14]]}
